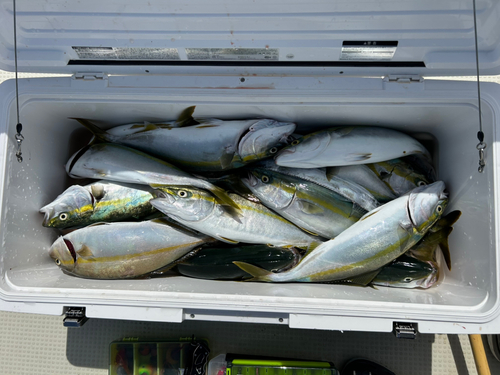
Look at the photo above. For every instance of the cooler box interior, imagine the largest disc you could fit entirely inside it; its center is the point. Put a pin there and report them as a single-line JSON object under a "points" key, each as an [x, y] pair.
{"points": [[442, 114]]}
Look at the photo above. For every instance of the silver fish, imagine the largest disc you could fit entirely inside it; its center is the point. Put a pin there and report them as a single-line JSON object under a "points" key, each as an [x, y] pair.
{"points": [[376, 239], [362, 175], [399, 175], [350, 190], [214, 145], [119, 163], [311, 207], [122, 250], [348, 145], [98, 202], [198, 210]]}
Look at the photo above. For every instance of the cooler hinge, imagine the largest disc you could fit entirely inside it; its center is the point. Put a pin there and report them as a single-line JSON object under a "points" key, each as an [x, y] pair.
{"points": [[404, 330], [404, 78], [89, 76]]}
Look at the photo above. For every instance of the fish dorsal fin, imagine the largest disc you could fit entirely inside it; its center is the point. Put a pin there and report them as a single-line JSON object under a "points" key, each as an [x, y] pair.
{"points": [[310, 208], [96, 131], [207, 122], [98, 191], [85, 253], [331, 172], [186, 117]]}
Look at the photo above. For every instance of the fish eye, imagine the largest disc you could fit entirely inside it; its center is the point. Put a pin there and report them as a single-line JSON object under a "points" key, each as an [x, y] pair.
{"points": [[408, 279], [273, 150], [58, 262], [295, 143], [421, 183], [439, 209], [63, 216], [265, 179], [183, 194]]}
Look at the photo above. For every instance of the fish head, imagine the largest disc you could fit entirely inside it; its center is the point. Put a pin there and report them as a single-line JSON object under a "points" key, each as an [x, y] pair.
{"points": [[71, 208], [426, 205], [408, 272], [269, 188], [302, 151], [263, 139], [185, 202], [63, 253]]}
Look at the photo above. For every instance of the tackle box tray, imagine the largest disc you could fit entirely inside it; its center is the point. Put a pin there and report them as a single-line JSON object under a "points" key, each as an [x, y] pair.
{"points": [[235, 60]]}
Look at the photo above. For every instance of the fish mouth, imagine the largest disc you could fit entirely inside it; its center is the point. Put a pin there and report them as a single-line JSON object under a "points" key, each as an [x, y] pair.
{"points": [[429, 280], [251, 180], [164, 205], [47, 212]]}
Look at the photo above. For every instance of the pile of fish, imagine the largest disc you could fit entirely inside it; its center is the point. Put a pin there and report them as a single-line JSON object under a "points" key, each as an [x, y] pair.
{"points": [[252, 200]]}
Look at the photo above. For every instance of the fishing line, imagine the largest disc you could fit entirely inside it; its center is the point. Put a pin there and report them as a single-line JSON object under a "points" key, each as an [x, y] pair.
{"points": [[481, 146], [19, 126]]}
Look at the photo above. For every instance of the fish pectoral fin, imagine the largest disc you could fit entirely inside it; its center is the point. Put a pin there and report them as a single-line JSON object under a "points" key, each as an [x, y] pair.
{"points": [[361, 280], [308, 231], [85, 253], [98, 191], [227, 158], [233, 213], [358, 157], [186, 117], [226, 240], [370, 213], [182, 259], [309, 208], [311, 247], [259, 274], [96, 224]]}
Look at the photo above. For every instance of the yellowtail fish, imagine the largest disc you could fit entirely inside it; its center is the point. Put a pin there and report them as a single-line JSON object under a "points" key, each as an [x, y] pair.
{"points": [[348, 145], [119, 163], [98, 202], [210, 145], [399, 175], [311, 207], [198, 210], [122, 250], [375, 240]]}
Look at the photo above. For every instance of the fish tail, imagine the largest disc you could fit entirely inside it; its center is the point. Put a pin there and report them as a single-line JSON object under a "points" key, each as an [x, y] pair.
{"points": [[446, 221], [443, 244], [259, 274], [97, 131]]}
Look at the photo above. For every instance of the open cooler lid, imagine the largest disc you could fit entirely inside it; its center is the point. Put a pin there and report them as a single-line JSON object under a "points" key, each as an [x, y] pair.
{"points": [[362, 37]]}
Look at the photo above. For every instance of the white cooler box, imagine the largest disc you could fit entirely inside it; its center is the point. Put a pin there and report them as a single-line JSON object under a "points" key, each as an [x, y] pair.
{"points": [[312, 64]]}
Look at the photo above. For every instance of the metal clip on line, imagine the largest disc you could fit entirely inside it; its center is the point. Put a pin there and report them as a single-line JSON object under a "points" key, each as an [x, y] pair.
{"points": [[481, 146], [19, 140]]}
